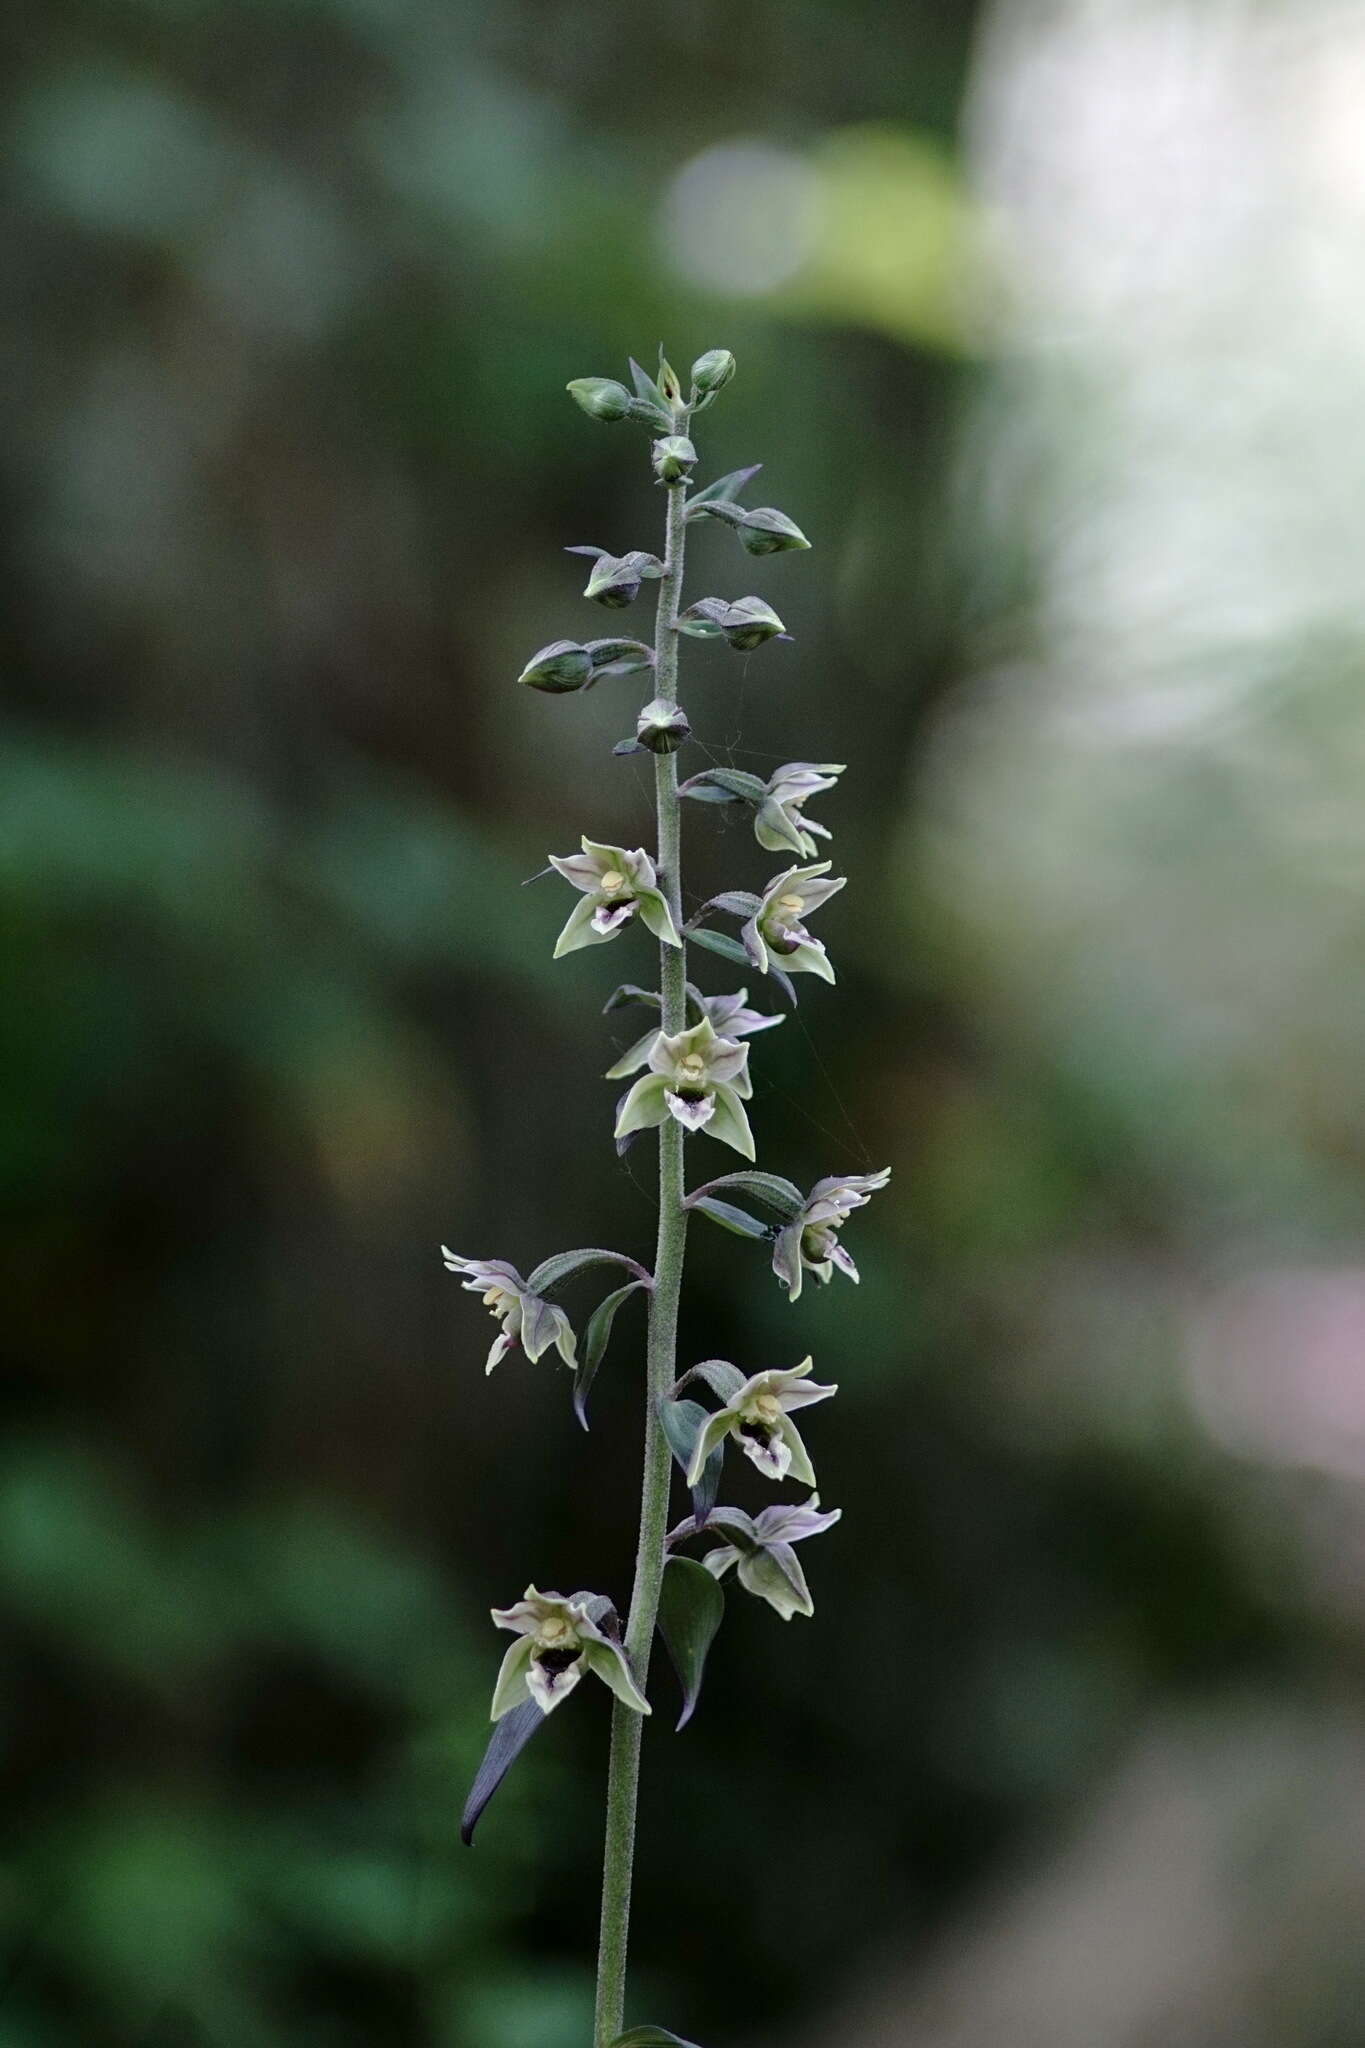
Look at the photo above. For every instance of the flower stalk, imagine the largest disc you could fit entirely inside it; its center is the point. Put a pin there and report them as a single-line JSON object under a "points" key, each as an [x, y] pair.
{"points": [[627, 1728]]}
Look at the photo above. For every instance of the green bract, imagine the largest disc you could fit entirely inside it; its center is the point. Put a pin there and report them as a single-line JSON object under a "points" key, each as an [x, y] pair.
{"points": [[757, 1416], [697, 1078], [809, 1243], [557, 1641], [616, 885], [527, 1319], [776, 935]]}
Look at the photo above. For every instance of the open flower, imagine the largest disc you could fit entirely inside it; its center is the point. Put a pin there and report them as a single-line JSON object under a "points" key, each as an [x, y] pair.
{"points": [[758, 1417], [697, 1078], [729, 1016], [557, 1641], [761, 1546], [527, 1319], [809, 1243], [776, 935], [780, 821], [616, 885]]}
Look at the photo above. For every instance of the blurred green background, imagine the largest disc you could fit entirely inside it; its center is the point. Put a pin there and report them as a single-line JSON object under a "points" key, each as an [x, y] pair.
{"points": [[1047, 322]]}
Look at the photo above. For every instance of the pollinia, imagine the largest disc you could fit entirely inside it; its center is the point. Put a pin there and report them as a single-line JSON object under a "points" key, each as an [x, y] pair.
{"points": [[688, 1078]]}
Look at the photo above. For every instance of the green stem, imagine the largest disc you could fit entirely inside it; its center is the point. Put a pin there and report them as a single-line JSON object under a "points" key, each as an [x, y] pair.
{"points": [[627, 1727]]}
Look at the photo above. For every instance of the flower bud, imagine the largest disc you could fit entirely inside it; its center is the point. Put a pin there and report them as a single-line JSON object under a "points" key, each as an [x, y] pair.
{"points": [[748, 622], [662, 727], [673, 457], [766, 531], [561, 666], [711, 372], [602, 398], [615, 580]]}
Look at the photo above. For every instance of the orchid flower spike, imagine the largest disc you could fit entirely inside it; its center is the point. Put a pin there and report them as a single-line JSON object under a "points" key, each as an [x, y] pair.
{"points": [[526, 1318], [616, 884], [697, 1078], [776, 935], [758, 1417], [557, 1641], [809, 1243]]}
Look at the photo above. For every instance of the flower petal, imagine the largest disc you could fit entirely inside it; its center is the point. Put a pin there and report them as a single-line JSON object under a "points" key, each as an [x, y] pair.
{"points": [[717, 1427], [693, 1114], [608, 1660], [774, 1574], [729, 1123], [550, 1685], [644, 1107], [577, 868], [799, 1464], [787, 1258], [632, 1061], [658, 917], [510, 1689], [578, 931]]}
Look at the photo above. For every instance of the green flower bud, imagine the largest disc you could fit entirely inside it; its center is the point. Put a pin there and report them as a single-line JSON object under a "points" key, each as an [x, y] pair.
{"points": [[662, 727], [766, 531], [602, 398], [561, 666], [748, 622], [673, 457], [711, 372]]}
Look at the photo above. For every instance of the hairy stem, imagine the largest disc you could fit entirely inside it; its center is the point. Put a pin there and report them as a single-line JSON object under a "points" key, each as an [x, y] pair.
{"points": [[627, 1727]]}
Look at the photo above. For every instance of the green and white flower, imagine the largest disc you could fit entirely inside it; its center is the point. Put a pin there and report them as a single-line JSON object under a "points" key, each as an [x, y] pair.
{"points": [[758, 1417], [617, 885], [761, 1547], [558, 1640], [526, 1318], [776, 934], [780, 822], [699, 1079], [729, 1016], [809, 1243]]}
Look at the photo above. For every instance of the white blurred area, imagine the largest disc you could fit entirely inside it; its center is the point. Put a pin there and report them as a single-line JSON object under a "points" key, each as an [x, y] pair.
{"points": [[1145, 859], [1147, 818]]}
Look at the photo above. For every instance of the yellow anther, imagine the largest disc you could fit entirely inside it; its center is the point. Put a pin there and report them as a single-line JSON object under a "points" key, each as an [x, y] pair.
{"points": [[612, 880], [767, 1408], [790, 903], [694, 1064], [494, 1296]]}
